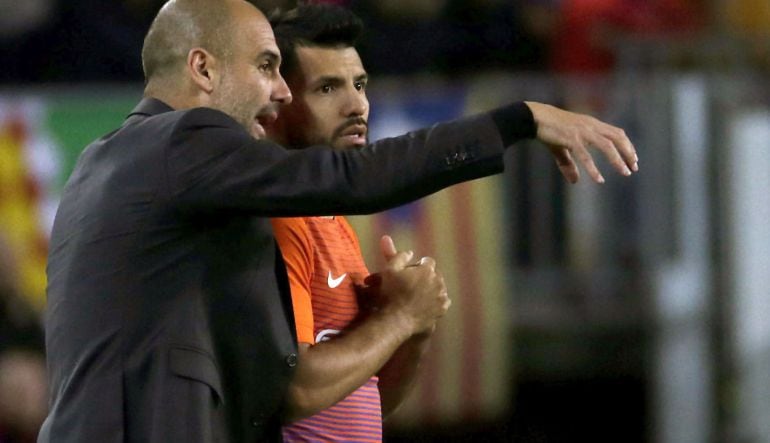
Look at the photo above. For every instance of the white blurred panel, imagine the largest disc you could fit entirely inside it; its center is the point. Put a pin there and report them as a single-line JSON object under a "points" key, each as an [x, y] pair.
{"points": [[683, 400], [749, 261]]}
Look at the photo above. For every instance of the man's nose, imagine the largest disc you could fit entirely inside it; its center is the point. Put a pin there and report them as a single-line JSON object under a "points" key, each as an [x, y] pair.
{"points": [[357, 104], [281, 91]]}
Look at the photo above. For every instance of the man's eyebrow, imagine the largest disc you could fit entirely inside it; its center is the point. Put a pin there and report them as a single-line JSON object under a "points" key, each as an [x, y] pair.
{"points": [[270, 55], [334, 79]]}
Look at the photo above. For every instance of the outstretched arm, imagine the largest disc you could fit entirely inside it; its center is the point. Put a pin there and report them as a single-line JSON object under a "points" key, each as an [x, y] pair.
{"points": [[213, 165]]}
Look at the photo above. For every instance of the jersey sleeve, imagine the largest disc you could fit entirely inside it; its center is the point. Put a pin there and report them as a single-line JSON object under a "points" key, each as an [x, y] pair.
{"points": [[297, 250]]}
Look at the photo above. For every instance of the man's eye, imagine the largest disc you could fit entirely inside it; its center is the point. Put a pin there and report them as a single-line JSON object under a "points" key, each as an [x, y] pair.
{"points": [[266, 66], [360, 86], [327, 89]]}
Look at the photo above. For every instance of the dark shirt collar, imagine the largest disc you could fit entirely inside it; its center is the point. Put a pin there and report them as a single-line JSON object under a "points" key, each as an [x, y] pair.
{"points": [[150, 106]]}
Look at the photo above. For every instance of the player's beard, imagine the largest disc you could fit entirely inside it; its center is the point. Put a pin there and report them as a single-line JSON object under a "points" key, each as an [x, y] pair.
{"points": [[336, 135]]}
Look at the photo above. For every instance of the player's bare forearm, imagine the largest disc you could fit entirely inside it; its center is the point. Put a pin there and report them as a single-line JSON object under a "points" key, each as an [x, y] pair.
{"points": [[398, 375], [330, 371]]}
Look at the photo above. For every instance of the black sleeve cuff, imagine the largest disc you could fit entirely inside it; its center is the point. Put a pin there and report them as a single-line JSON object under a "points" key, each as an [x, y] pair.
{"points": [[515, 122]]}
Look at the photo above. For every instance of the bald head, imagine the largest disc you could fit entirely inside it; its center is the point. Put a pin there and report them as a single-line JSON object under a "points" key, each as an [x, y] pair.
{"points": [[219, 54], [182, 25]]}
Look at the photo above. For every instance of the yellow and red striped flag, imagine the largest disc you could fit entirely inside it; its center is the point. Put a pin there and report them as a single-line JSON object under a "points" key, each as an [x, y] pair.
{"points": [[22, 189], [465, 375]]}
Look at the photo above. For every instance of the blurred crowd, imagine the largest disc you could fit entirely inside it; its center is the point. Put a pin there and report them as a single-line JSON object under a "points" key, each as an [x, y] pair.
{"points": [[94, 40], [23, 392]]}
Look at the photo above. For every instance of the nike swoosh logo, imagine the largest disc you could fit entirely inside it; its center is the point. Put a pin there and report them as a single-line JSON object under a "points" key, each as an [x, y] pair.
{"points": [[334, 282]]}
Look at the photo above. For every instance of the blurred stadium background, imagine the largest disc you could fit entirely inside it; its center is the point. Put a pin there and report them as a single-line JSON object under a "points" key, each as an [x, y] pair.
{"points": [[630, 312]]}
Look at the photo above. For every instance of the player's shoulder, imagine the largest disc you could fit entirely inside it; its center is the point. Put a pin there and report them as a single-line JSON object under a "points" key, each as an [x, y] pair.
{"points": [[289, 225], [289, 221], [346, 226], [293, 237]]}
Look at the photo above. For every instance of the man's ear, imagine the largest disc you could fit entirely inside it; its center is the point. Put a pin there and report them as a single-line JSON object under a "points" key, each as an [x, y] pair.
{"points": [[202, 66]]}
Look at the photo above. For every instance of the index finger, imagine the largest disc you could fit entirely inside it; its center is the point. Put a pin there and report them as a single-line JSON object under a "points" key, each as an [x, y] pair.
{"points": [[429, 262], [585, 158]]}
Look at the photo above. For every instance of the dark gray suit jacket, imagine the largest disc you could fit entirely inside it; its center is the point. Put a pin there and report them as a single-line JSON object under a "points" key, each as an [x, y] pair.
{"points": [[169, 317]]}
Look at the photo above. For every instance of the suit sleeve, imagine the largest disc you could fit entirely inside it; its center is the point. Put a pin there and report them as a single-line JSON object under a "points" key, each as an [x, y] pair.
{"points": [[297, 251], [213, 165]]}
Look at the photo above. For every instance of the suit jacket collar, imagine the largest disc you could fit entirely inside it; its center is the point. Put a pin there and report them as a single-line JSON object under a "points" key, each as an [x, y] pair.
{"points": [[150, 106]]}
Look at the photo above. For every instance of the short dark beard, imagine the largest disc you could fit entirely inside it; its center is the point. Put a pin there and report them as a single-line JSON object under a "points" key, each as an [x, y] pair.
{"points": [[348, 123]]}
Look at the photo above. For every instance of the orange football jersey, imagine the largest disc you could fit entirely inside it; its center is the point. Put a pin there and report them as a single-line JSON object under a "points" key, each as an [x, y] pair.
{"points": [[323, 259]]}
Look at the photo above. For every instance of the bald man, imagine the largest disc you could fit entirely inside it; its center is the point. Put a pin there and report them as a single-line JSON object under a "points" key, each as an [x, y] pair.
{"points": [[169, 315]]}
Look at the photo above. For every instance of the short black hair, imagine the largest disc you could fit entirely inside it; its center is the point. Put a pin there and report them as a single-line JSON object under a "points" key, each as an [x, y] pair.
{"points": [[313, 24]]}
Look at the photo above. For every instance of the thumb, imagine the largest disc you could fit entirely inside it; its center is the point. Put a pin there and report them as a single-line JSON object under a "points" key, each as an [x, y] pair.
{"points": [[395, 259], [388, 247]]}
